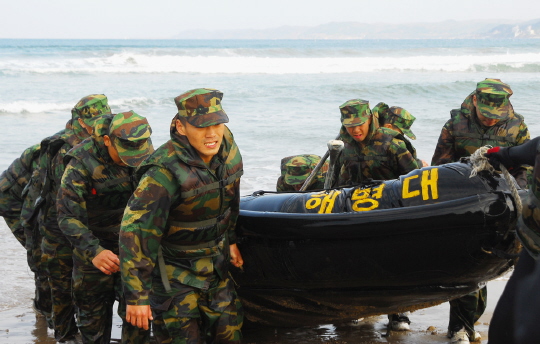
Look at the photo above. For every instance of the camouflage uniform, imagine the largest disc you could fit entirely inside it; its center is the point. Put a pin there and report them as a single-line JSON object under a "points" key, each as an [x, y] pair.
{"points": [[15, 195], [56, 249], [461, 136], [177, 231], [296, 169], [382, 155], [93, 194], [12, 182], [401, 120]]}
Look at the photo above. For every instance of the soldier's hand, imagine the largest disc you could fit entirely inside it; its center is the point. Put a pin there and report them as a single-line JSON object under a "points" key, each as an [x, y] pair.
{"points": [[107, 262], [498, 156], [139, 316], [236, 256]]}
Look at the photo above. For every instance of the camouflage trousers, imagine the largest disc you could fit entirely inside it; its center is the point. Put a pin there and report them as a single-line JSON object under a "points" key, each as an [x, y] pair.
{"points": [[195, 316], [466, 310], [58, 262], [95, 294], [43, 296]]}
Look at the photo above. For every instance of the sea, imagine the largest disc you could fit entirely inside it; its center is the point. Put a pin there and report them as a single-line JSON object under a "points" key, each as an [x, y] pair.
{"points": [[282, 96]]}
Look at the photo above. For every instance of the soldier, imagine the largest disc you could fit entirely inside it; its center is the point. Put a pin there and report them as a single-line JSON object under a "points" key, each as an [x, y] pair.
{"points": [[372, 152], [178, 231], [400, 120], [486, 117], [517, 314], [56, 248], [295, 170], [15, 183], [94, 191]]}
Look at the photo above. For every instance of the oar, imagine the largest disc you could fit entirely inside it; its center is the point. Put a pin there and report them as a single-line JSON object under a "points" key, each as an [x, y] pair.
{"points": [[334, 148], [309, 179]]}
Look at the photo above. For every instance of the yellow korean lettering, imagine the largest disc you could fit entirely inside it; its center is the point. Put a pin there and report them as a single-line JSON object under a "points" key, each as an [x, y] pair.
{"points": [[405, 192], [378, 191], [365, 204], [429, 182]]}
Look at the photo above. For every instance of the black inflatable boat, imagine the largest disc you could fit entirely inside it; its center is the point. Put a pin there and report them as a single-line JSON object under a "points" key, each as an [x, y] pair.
{"points": [[378, 248]]}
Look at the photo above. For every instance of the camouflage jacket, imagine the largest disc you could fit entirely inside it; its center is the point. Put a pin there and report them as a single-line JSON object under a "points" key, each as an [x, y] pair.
{"points": [[185, 209], [52, 165], [382, 156], [93, 194], [12, 183], [463, 134]]}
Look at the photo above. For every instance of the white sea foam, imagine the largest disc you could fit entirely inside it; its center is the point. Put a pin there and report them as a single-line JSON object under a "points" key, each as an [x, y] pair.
{"points": [[31, 107], [132, 62]]}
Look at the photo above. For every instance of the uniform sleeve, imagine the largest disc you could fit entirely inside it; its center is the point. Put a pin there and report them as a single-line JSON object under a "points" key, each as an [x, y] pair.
{"points": [[444, 151], [72, 214], [404, 159], [235, 211], [143, 226], [521, 173], [55, 172]]}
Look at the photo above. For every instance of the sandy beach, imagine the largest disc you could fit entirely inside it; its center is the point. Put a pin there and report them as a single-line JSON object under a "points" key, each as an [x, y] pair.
{"points": [[19, 324]]}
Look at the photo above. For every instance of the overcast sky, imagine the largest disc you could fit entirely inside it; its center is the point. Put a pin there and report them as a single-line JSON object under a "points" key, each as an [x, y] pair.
{"points": [[167, 18]]}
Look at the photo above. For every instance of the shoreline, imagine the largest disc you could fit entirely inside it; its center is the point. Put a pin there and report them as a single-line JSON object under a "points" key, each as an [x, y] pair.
{"points": [[20, 325]]}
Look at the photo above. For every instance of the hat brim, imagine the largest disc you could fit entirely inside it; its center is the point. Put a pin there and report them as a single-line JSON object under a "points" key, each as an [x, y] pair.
{"points": [[500, 112], [296, 180], [133, 157], [353, 124], [91, 121], [209, 119], [409, 133]]}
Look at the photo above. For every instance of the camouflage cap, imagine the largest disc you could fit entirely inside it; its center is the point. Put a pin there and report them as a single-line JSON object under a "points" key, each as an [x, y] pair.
{"points": [[201, 107], [402, 119], [492, 97], [354, 112], [299, 167], [89, 108], [130, 135]]}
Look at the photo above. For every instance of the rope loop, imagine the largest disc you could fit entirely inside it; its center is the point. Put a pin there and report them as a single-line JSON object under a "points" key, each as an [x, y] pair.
{"points": [[481, 163]]}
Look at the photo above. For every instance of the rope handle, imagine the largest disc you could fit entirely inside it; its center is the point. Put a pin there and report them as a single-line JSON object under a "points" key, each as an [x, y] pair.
{"points": [[481, 163]]}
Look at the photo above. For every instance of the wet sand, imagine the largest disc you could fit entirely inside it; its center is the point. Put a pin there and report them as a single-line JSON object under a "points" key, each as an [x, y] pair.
{"points": [[19, 324]]}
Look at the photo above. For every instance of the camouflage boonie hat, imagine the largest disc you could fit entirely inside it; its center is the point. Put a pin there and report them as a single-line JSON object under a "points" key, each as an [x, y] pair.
{"points": [[354, 112], [299, 167], [130, 135], [402, 119], [492, 97], [90, 108], [201, 107], [379, 111]]}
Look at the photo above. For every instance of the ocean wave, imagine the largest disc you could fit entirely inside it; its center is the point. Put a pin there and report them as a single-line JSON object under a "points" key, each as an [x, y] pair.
{"points": [[129, 62], [38, 107]]}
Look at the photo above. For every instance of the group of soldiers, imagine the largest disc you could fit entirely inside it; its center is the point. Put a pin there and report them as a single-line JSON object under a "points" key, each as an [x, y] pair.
{"points": [[105, 218], [375, 147]]}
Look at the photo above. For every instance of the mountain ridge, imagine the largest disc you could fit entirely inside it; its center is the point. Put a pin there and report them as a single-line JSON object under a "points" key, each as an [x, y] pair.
{"points": [[449, 29]]}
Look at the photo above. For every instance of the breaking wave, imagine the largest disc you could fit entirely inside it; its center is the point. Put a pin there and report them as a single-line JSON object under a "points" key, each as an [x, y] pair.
{"points": [[230, 63]]}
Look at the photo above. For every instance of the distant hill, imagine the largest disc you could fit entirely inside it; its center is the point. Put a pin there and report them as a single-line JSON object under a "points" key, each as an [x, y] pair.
{"points": [[450, 29]]}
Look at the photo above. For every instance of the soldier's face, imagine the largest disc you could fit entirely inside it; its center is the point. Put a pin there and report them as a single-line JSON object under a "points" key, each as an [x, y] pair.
{"points": [[112, 151], [359, 132], [206, 141]]}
